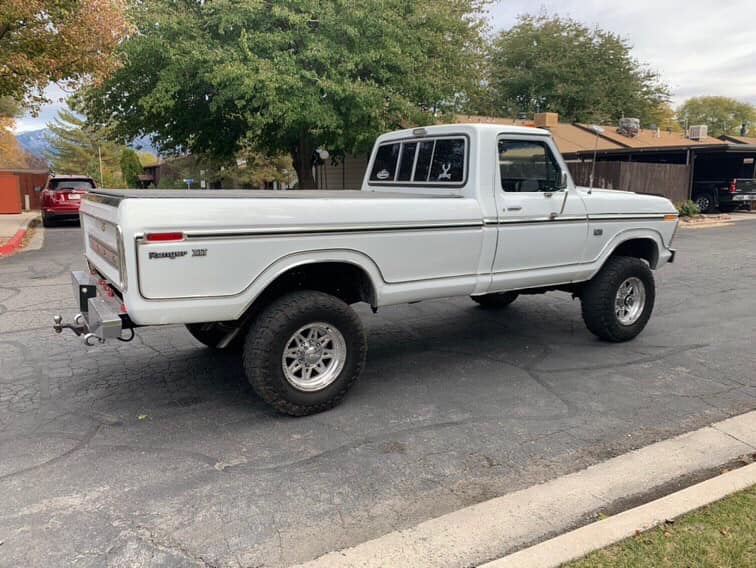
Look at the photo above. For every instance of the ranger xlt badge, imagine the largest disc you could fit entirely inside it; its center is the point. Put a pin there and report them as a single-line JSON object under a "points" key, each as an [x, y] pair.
{"points": [[168, 254]]}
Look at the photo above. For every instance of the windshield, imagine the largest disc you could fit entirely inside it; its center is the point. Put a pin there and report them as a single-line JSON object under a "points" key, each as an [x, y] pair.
{"points": [[71, 184]]}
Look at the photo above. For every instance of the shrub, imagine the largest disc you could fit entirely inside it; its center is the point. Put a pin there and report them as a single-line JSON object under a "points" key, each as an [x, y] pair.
{"points": [[688, 209]]}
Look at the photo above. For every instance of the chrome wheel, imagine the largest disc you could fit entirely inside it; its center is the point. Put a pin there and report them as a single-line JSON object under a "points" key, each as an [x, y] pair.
{"points": [[630, 301], [314, 356]]}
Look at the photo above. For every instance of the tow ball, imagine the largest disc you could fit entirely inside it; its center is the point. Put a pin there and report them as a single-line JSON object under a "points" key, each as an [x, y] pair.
{"points": [[79, 327]]}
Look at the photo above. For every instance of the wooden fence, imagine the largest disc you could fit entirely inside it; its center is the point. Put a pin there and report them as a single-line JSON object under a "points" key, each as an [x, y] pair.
{"points": [[669, 180]]}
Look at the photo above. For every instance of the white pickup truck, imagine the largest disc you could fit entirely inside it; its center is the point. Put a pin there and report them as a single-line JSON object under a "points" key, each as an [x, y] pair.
{"points": [[485, 211]]}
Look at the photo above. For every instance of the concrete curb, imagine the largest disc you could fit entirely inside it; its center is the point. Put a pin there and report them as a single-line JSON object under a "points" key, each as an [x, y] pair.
{"points": [[491, 529], [582, 541], [12, 246]]}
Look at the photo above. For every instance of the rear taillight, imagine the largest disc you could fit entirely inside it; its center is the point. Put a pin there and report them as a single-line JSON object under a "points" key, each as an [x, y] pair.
{"points": [[733, 186], [163, 237]]}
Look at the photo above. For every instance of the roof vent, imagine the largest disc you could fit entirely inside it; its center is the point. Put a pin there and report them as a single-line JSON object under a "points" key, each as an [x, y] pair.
{"points": [[546, 119], [698, 132], [629, 127]]}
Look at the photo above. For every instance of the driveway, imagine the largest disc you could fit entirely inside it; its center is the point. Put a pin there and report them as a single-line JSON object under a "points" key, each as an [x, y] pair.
{"points": [[157, 452]]}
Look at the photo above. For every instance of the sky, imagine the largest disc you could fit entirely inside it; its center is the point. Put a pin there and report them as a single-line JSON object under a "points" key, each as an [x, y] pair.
{"points": [[700, 47]]}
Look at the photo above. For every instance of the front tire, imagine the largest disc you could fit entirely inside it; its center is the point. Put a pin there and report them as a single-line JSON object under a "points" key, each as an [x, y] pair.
{"points": [[304, 352], [47, 221], [618, 301], [495, 300]]}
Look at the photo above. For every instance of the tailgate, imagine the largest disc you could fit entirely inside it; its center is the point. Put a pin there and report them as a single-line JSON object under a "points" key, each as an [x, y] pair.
{"points": [[103, 245]]}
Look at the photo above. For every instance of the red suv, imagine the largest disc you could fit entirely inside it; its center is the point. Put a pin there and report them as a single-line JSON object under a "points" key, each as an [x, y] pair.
{"points": [[61, 197]]}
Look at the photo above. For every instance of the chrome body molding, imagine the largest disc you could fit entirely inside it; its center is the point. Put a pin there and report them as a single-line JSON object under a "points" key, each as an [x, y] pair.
{"points": [[332, 229]]}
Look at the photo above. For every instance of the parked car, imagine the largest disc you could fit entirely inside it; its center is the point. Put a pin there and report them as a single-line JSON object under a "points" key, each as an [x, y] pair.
{"points": [[485, 211], [725, 182], [61, 197]]}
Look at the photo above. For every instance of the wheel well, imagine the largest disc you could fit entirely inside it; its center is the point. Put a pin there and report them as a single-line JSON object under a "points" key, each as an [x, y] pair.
{"points": [[344, 280], [639, 248]]}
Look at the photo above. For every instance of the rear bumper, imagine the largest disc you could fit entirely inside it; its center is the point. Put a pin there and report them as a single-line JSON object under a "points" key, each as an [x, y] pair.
{"points": [[61, 213], [101, 316], [736, 198]]}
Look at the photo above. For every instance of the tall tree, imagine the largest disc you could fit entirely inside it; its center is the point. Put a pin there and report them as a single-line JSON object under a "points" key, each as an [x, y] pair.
{"points": [[56, 40], [550, 63], [722, 115], [131, 167], [78, 147], [291, 75]]}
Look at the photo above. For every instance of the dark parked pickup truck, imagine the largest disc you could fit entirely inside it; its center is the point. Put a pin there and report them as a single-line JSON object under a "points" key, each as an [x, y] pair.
{"points": [[724, 181]]}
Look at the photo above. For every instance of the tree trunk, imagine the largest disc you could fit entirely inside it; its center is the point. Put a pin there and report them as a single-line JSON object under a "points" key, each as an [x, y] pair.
{"points": [[301, 155]]}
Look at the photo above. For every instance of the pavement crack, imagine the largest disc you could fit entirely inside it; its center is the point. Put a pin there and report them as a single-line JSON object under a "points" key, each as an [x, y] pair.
{"points": [[733, 436]]}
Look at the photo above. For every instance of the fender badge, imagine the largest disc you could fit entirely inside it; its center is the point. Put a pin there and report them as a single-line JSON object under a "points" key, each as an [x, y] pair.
{"points": [[168, 254]]}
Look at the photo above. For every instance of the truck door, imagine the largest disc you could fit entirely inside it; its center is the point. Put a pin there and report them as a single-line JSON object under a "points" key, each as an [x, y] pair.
{"points": [[535, 232]]}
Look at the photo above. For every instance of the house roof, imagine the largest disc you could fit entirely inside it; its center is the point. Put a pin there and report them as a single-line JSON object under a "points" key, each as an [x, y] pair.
{"points": [[738, 139], [580, 138], [651, 138], [569, 138]]}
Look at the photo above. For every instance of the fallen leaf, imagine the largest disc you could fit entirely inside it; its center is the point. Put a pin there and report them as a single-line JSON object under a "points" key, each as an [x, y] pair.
{"points": [[667, 534], [142, 417]]}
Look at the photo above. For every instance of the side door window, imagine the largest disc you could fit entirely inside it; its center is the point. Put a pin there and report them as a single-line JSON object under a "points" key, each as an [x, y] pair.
{"points": [[527, 166]]}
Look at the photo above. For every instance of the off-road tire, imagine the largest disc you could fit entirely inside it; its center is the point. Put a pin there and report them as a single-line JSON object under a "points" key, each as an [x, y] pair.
{"points": [[598, 298], [496, 300], [274, 326], [210, 334]]}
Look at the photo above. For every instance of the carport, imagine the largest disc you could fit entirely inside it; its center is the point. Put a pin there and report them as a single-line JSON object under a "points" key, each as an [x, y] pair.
{"points": [[669, 171]]}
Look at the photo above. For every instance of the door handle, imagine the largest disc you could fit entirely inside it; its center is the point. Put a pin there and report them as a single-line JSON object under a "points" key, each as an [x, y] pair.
{"points": [[515, 208]]}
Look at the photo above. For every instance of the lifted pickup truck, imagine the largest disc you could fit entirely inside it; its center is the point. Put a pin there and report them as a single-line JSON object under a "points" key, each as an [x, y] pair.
{"points": [[485, 211]]}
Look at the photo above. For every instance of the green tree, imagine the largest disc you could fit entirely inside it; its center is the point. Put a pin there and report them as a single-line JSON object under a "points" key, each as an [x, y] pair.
{"points": [[722, 115], [289, 76], [78, 147], [131, 167], [56, 40], [549, 63]]}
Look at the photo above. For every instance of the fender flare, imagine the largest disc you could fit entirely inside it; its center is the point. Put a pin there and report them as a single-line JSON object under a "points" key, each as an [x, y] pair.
{"points": [[318, 256], [622, 237]]}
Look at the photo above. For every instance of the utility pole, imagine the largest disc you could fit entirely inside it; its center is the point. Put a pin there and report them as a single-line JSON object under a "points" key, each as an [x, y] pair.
{"points": [[99, 154]]}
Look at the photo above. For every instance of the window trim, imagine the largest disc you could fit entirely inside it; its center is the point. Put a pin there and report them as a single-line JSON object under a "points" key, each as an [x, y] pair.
{"points": [[543, 141], [419, 140]]}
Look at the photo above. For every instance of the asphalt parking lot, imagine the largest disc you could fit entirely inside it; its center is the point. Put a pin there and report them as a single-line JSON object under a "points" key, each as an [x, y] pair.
{"points": [[157, 452]]}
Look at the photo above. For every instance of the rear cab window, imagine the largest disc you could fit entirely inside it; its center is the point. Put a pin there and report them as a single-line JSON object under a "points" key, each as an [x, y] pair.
{"points": [[76, 184], [428, 161]]}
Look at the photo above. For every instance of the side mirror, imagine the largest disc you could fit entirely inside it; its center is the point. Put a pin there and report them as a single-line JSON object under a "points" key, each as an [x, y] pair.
{"points": [[37, 188], [563, 180]]}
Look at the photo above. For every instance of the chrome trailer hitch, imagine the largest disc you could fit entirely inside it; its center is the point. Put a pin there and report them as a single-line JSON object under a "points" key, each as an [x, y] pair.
{"points": [[79, 327], [100, 317]]}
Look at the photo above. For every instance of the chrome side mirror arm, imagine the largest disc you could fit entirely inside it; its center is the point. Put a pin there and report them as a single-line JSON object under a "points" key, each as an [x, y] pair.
{"points": [[565, 186]]}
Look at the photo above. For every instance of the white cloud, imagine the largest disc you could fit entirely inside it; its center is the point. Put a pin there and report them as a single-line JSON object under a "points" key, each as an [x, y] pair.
{"points": [[700, 47], [48, 112]]}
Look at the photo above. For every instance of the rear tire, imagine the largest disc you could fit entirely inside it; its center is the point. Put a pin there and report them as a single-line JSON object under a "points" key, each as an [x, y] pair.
{"points": [[495, 300], [304, 352], [46, 221], [618, 301], [705, 202]]}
